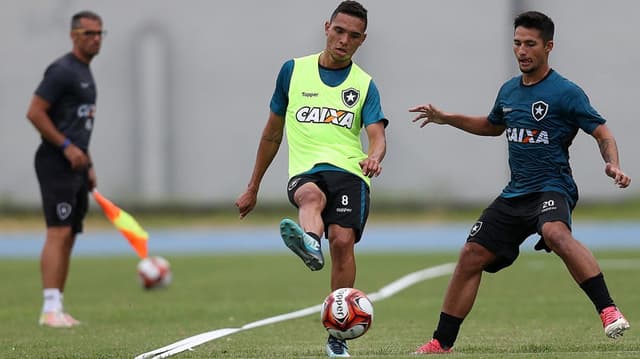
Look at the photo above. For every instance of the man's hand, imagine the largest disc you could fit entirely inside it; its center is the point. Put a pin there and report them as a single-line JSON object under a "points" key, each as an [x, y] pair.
{"points": [[93, 180], [619, 178], [246, 202], [76, 157], [370, 167], [428, 113]]}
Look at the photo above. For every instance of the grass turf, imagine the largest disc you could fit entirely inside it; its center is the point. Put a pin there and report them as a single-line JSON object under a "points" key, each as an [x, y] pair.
{"points": [[531, 310]]}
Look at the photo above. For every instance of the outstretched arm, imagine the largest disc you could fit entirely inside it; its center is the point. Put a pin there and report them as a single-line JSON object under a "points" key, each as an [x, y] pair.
{"points": [[609, 152], [267, 149], [371, 166], [477, 125]]}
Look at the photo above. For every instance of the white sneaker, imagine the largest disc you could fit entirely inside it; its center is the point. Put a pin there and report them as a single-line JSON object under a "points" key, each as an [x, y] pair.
{"points": [[71, 319], [55, 319]]}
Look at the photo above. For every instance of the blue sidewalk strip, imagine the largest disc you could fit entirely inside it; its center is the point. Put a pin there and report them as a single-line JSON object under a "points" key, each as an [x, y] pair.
{"points": [[406, 237]]}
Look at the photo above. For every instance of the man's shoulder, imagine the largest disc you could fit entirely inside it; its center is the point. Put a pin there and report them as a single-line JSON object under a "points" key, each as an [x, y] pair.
{"points": [[562, 82], [354, 65], [287, 68], [306, 57], [66, 60], [63, 64], [509, 85], [512, 82]]}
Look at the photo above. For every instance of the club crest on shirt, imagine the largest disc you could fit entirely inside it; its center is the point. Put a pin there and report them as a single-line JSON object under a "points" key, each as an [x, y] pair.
{"points": [[64, 210], [475, 229], [539, 110], [350, 96]]}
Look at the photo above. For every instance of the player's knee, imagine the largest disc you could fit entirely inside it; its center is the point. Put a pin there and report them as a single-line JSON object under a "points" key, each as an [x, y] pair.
{"points": [[557, 236], [60, 234], [310, 196], [341, 243], [475, 257]]}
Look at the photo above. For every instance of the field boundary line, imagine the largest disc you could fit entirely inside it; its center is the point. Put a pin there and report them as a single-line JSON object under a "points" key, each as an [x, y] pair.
{"points": [[383, 293]]}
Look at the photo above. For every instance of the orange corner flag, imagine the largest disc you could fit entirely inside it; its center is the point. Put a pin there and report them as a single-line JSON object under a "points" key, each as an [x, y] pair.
{"points": [[123, 221]]}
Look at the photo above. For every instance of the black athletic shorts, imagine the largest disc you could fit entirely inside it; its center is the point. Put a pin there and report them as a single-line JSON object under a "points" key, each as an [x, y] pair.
{"points": [[507, 222], [65, 193], [347, 198]]}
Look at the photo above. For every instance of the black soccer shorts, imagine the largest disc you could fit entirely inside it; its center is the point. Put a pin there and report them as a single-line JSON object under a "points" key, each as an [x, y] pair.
{"points": [[65, 193], [347, 198], [508, 222]]}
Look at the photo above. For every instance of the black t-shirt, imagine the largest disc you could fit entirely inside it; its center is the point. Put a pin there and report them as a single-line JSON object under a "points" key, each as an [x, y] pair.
{"points": [[69, 88]]}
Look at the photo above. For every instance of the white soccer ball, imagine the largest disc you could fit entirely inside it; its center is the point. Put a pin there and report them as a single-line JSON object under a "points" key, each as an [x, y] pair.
{"points": [[347, 313], [154, 272]]}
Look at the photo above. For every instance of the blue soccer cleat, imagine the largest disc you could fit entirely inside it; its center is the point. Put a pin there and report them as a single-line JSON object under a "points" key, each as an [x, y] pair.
{"points": [[302, 244]]}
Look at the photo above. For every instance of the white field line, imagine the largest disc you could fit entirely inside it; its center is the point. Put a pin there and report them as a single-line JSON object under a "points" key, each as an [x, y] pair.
{"points": [[384, 292]]}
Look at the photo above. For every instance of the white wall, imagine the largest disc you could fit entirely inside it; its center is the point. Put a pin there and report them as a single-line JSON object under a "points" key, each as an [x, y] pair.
{"points": [[184, 90]]}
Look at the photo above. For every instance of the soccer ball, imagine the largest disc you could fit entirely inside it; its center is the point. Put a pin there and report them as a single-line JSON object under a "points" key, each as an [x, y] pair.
{"points": [[154, 272], [347, 313]]}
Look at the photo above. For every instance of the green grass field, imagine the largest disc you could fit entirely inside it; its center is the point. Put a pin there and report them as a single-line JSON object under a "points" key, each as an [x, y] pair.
{"points": [[532, 310]]}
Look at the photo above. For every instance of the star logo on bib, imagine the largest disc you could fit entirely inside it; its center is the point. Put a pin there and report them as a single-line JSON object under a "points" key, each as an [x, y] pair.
{"points": [[350, 96]]}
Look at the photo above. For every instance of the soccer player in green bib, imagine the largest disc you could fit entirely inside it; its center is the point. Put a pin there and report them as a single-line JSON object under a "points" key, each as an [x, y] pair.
{"points": [[323, 101]]}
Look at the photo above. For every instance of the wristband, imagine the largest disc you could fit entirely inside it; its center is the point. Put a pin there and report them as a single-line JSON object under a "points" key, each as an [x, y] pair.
{"points": [[65, 144]]}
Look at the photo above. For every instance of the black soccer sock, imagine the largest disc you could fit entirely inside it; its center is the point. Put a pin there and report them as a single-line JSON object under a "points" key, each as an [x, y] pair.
{"points": [[448, 328], [597, 291]]}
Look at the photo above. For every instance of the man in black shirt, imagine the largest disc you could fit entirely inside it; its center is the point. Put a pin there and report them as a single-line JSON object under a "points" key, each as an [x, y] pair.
{"points": [[62, 110]]}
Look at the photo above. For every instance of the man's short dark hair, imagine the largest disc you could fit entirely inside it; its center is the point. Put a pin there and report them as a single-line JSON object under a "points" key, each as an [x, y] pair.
{"points": [[536, 20], [86, 14], [352, 8]]}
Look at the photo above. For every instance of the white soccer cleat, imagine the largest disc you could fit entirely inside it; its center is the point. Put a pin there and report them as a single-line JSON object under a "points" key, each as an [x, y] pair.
{"points": [[55, 319], [71, 319]]}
